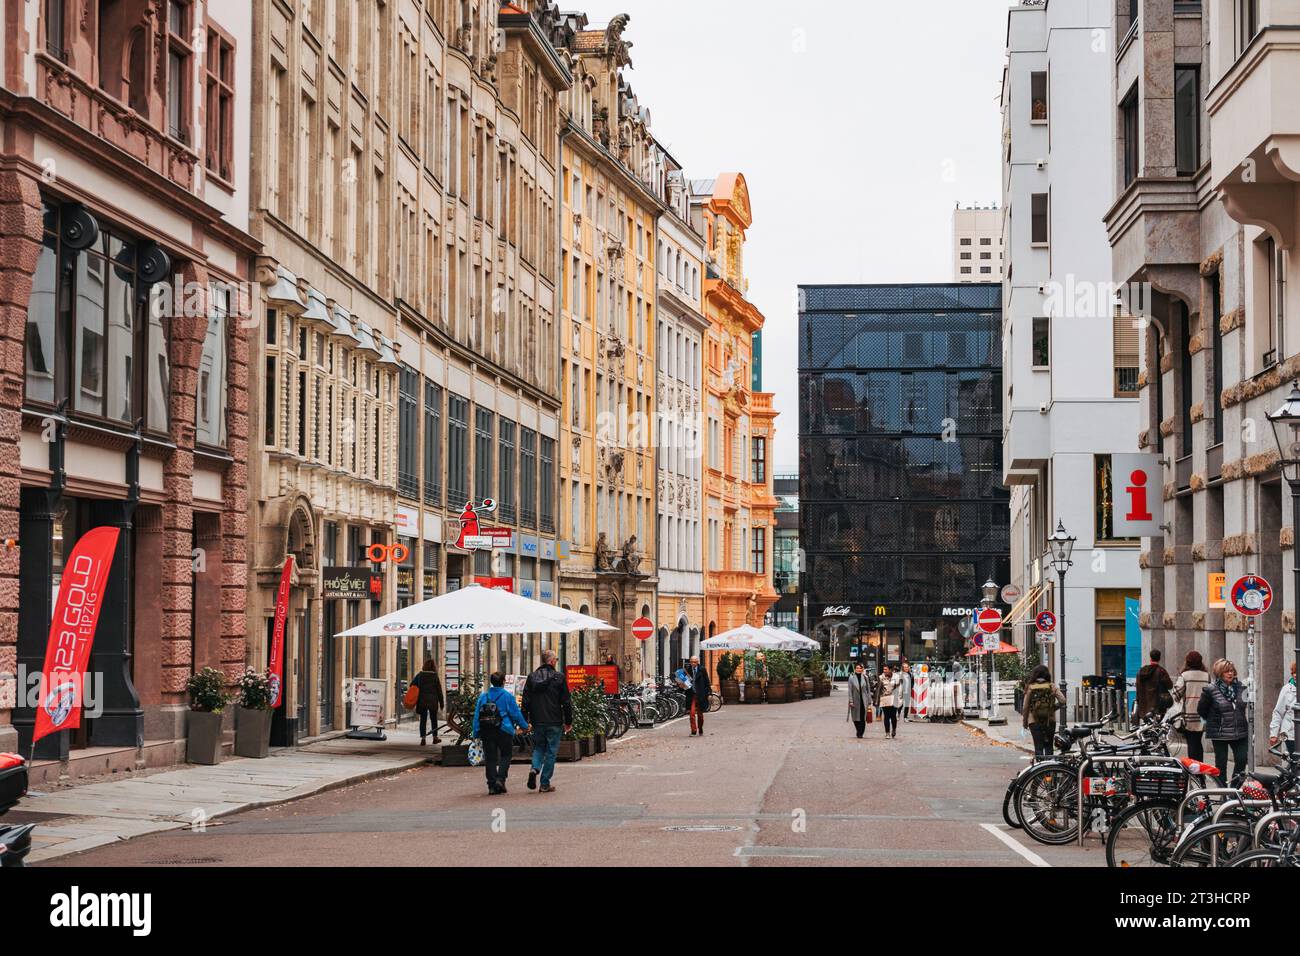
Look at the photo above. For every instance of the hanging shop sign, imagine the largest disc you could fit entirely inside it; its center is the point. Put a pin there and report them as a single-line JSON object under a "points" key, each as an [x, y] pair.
{"points": [[352, 584], [1136, 494], [471, 536], [1216, 593]]}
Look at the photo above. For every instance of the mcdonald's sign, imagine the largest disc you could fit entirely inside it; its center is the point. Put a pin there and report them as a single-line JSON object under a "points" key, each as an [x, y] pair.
{"points": [[879, 611]]}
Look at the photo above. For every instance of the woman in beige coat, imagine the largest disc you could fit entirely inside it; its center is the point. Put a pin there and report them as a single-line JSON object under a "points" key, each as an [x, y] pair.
{"points": [[889, 698]]}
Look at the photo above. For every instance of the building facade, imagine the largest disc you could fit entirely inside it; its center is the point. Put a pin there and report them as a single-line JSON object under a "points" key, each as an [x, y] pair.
{"points": [[902, 509], [977, 248], [787, 556], [126, 295], [739, 421], [1071, 354], [608, 217], [406, 198], [1204, 212], [681, 327]]}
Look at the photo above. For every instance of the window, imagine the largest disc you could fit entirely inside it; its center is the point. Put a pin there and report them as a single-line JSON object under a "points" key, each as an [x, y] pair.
{"points": [[506, 470], [1041, 342], [546, 481], [758, 464], [1129, 123], [1274, 298], [54, 29], [965, 255], [758, 551], [1038, 97], [482, 453], [1127, 340], [1038, 229], [210, 410], [1187, 119], [457, 451], [432, 444], [1213, 291], [986, 242], [528, 477], [408, 432], [218, 145], [1247, 23], [1187, 396], [115, 365], [965, 242], [1103, 499], [178, 68]]}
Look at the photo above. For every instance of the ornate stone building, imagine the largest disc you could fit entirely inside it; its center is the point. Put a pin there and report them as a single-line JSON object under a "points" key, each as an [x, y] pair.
{"points": [[739, 421], [607, 231], [124, 291]]}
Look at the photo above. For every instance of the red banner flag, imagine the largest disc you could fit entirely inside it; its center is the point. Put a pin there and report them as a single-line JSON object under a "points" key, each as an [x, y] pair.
{"points": [[72, 632], [277, 635]]}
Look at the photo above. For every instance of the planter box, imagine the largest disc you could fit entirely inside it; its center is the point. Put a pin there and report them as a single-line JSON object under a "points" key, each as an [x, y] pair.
{"points": [[252, 732], [203, 738], [587, 746], [731, 691], [753, 692], [569, 751], [775, 693], [601, 742], [455, 755]]}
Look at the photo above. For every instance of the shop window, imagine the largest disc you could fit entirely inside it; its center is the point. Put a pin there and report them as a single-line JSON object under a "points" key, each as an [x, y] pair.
{"points": [[1104, 487]]}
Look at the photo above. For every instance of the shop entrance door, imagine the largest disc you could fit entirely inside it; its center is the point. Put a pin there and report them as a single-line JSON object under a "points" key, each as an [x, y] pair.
{"points": [[327, 670], [302, 641]]}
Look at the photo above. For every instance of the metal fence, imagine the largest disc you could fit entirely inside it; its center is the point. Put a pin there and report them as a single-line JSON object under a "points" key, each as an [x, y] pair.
{"points": [[1094, 703]]}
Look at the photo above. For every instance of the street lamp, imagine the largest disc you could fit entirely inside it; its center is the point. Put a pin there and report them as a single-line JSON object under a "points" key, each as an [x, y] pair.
{"points": [[1061, 545], [1286, 432]]}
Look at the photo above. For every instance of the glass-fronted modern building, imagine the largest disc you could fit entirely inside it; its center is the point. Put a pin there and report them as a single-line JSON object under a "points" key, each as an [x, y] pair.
{"points": [[785, 554], [903, 516]]}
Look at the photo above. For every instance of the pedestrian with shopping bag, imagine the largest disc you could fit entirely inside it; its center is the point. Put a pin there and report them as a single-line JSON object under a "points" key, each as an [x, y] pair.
{"points": [[1187, 694]]}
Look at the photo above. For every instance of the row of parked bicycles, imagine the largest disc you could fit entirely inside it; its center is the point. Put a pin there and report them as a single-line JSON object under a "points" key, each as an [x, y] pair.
{"points": [[649, 702], [1153, 808]]}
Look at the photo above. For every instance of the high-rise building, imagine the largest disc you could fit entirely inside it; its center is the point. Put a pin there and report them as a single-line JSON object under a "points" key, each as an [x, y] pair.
{"points": [[740, 423], [787, 560], [902, 510], [126, 289], [1205, 213], [977, 248], [1071, 353]]}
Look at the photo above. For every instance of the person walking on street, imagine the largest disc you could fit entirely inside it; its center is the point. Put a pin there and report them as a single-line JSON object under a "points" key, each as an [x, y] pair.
{"points": [[1187, 692], [549, 708], [1282, 725], [904, 690], [859, 699], [1223, 707], [496, 721], [1043, 701], [1153, 687], [698, 690], [430, 701], [889, 700]]}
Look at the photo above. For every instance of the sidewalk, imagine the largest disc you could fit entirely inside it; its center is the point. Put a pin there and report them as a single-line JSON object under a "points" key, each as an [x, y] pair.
{"points": [[96, 814], [1007, 734]]}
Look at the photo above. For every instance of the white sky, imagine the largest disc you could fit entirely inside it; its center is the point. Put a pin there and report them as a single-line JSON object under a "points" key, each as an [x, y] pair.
{"points": [[858, 126]]}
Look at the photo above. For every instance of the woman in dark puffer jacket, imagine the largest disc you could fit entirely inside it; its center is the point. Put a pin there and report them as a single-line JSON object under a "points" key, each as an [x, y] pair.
{"points": [[1223, 708]]}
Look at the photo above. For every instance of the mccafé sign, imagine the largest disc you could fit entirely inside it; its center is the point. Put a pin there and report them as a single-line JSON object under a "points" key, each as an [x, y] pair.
{"points": [[845, 610]]}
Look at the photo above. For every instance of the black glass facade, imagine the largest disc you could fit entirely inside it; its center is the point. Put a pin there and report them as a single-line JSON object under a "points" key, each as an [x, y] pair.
{"points": [[903, 516]]}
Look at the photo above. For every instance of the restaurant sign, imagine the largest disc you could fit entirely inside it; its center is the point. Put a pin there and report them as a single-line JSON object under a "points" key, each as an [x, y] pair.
{"points": [[353, 584]]}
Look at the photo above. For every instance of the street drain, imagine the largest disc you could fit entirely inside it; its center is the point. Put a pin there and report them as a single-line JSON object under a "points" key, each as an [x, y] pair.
{"points": [[703, 828], [186, 861]]}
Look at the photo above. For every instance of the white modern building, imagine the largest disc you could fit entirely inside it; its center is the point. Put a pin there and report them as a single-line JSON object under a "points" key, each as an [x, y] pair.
{"points": [[977, 253], [681, 328], [1070, 362]]}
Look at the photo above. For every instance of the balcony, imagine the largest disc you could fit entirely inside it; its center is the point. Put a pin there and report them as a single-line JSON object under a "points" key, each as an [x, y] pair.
{"points": [[1027, 445], [1255, 131]]}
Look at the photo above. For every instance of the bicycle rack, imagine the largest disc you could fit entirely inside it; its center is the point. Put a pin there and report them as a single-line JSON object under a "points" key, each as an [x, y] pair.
{"points": [[1113, 758], [1267, 819], [1201, 794], [1218, 815]]}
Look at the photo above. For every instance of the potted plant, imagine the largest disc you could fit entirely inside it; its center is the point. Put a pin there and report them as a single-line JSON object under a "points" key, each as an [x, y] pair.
{"points": [[460, 718], [570, 748], [755, 670], [588, 702], [254, 703], [727, 683], [208, 698], [778, 673]]}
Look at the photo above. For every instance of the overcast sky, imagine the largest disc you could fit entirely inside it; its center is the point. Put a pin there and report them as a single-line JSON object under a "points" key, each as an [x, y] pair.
{"points": [[857, 125]]}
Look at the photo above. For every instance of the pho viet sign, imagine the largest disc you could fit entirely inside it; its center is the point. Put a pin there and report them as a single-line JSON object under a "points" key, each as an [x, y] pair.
{"points": [[353, 584]]}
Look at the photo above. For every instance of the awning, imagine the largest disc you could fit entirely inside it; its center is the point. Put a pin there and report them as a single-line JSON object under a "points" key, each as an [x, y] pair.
{"points": [[477, 610]]}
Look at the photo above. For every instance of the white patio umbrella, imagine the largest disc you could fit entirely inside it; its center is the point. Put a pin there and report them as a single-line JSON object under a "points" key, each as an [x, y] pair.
{"points": [[743, 638], [793, 639], [477, 610]]}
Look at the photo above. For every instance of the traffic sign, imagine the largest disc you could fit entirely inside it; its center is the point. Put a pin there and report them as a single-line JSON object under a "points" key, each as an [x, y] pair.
{"points": [[1252, 595], [989, 620], [966, 626], [991, 641], [642, 628], [1011, 593], [1046, 637], [1045, 622]]}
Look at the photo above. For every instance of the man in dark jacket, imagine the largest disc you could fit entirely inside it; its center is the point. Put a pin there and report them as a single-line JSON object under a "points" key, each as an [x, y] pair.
{"points": [[430, 698], [549, 710], [1153, 687], [699, 694]]}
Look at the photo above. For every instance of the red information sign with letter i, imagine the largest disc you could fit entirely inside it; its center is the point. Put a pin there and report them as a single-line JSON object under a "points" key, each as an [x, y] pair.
{"points": [[276, 667], [1137, 491], [72, 632]]}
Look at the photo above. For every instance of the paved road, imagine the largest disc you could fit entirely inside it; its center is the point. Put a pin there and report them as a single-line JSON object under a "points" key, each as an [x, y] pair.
{"points": [[767, 786]]}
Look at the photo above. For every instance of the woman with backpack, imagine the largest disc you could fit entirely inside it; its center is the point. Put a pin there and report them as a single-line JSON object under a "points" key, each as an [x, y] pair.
{"points": [[1042, 701], [1187, 692], [430, 699], [1223, 707]]}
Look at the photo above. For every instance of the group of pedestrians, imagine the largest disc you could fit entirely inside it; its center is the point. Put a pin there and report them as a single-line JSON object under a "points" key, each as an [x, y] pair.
{"points": [[889, 695]]}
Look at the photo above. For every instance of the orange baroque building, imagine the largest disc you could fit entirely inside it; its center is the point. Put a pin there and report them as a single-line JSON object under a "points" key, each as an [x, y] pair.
{"points": [[739, 506]]}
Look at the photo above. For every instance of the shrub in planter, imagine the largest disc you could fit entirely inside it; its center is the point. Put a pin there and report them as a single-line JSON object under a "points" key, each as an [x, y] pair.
{"points": [[253, 701], [460, 718], [208, 699], [727, 684]]}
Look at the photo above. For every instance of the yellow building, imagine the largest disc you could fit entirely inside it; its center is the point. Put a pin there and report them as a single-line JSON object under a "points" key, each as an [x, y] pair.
{"points": [[607, 341], [739, 506]]}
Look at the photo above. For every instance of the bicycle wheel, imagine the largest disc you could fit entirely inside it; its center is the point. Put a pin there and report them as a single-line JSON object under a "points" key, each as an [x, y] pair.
{"points": [[1047, 804], [1008, 807], [1143, 835], [1269, 858], [715, 703], [1218, 842]]}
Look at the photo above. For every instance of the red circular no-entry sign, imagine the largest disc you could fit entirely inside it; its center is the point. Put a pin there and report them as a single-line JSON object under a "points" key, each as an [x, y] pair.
{"points": [[642, 628], [989, 620]]}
